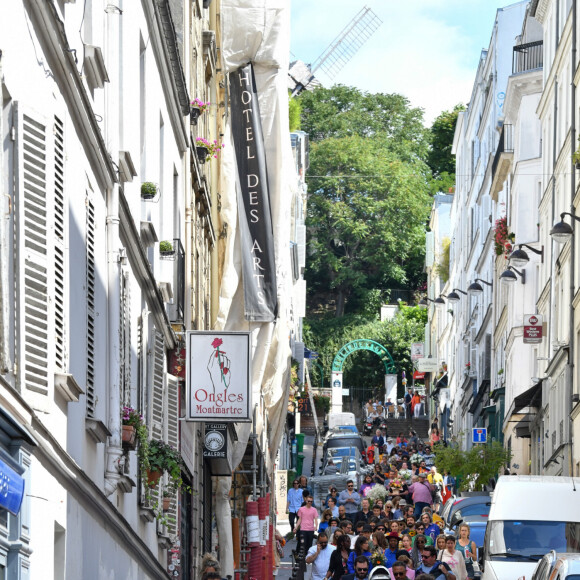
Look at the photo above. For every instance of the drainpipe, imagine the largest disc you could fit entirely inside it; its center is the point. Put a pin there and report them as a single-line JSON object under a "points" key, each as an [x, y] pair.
{"points": [[571, 339], [114, 450]]}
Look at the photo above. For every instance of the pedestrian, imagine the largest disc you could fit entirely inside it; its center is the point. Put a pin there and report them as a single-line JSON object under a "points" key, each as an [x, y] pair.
{"points": [[468, 548], [349, 498], [400, 570], [430, 565], [408, 404], [361, 548], [421, 494], [454, 558], [331, 468], [307, 522], [209, 563], [361, 569], [416, 405], [319, 557], [332, 506], [324, 520], [337, 567], [391, 551], [293, 502]]}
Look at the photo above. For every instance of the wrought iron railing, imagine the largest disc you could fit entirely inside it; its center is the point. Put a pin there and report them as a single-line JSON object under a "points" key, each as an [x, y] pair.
{"points": [[528, 57], [505, 145]]}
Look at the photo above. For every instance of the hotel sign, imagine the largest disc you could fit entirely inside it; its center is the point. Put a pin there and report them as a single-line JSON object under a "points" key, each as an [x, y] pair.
{"points": [[218, 376]]}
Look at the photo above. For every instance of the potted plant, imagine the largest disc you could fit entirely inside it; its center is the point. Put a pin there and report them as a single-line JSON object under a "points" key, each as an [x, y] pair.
{"points": [[162, 457], [205, 148], [197, 107], [166, 248], [134, 429], [167, 495], [148, 190]]}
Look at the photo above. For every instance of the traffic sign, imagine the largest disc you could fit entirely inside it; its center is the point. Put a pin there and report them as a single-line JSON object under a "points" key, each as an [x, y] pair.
{"points": [[479, 435]]}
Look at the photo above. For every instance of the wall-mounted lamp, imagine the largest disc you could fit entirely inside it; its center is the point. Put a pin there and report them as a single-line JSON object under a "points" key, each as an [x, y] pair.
{"points": [[476, 288], [424, 302], [439, 300], [453, 296], [519, 258], [562, 232], [509, 275]]}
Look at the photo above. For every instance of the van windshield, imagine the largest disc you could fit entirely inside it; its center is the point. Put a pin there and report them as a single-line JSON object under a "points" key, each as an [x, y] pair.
{"points": [[525, 540]]}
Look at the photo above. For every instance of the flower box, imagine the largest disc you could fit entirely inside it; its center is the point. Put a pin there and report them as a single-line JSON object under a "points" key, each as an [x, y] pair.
{"points": [[129, 437]]}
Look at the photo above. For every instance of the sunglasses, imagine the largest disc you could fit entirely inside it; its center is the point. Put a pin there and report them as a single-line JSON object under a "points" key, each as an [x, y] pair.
{"points": [[323, 543], [350, 485], [296, 483], [380, 529], [361, 569], [427, 556], [308, 501]]}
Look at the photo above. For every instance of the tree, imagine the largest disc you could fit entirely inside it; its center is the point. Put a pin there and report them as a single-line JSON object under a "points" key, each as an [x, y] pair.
{"points": [[294, 112], [440, 158], [475, 467], [366, 218]]}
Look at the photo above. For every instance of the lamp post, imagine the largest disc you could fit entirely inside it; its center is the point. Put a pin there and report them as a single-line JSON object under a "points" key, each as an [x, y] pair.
{"points": [[453, 296], [476, 288], [509, 275], [520, 258]]}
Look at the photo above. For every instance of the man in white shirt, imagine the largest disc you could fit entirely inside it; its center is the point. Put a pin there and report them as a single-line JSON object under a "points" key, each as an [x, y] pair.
{"points": [[319, 557]]}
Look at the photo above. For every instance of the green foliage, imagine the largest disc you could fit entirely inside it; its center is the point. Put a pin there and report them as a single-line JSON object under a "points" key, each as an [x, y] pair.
{"points": [[474, 467], [363, 370], [163, 457], [294, 112], [165, 246], [148, 190], [442, 266], [440, 159], [322, 404]]}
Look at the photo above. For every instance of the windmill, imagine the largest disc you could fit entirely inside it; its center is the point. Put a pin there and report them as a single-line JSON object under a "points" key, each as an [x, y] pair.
{"points": [[340, 50]]}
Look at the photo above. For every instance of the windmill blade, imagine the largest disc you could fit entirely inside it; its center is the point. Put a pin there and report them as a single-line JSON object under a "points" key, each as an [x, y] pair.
{"points": [[347, 43]]}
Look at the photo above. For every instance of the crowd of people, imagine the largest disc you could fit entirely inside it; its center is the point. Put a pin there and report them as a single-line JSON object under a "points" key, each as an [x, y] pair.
{"points": [[390, 521]]}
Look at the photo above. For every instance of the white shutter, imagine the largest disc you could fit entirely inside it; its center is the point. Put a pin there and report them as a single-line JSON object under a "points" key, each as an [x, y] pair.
{"points": [[301, 241], [60, 254], [157, 387], [429, 249], [90, 276], [35, 271], [125, 346], [173, 440]]}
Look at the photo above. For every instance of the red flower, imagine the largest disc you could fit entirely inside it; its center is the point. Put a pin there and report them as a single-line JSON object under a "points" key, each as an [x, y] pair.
{"points": [[217, 342]]}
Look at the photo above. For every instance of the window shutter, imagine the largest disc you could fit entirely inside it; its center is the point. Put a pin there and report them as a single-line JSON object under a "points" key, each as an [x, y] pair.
{"points": [[35, 282], [90, 275], [157, 387], [60, 254], [173, 440], [125, 346]]}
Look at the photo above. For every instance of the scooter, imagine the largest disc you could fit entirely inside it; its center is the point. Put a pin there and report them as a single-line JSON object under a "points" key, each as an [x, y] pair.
{"points": [[368, 427]]}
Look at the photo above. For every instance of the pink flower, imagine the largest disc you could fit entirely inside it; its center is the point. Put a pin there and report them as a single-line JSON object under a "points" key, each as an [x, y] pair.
{"points": [[217, 342]]}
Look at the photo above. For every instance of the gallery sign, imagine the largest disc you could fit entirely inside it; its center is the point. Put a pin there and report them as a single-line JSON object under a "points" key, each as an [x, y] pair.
{"points": [[215, 443], [532, 328], [218, 376], [427, 365]]}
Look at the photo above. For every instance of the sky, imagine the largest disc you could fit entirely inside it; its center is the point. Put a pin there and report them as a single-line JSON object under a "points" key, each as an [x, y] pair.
{"points": [[427, 50]]}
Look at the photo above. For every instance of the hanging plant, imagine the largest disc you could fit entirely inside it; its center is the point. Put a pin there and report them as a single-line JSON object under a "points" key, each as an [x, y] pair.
{"points": [[503, 239], [206, 148], [197, 107], [166, 248], [148, 190]]}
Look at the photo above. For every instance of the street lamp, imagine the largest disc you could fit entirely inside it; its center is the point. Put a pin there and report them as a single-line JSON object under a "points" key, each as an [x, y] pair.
{"points": [[439, 300], [424, 302], [510, 277], [476, 288], [453, 296], [520, 258], [562, 232]]}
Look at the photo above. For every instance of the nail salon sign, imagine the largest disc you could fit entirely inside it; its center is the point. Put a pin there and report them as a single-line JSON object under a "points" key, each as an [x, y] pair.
{"points": [[218, 376]]}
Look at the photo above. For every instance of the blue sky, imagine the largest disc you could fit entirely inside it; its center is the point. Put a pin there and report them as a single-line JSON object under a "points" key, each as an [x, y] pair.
{"points": [[427, 50]]}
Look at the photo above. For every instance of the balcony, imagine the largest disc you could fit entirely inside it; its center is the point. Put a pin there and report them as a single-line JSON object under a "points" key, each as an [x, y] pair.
{"points": [[502, 161], [529, 56]]}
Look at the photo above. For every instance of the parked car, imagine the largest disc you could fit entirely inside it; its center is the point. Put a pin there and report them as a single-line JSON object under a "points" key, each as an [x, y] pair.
{"points": [[481, 504], [345, 440], [557, 566], [338, 455]]}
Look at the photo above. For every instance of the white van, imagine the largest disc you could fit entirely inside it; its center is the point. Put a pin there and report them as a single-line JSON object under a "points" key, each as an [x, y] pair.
{"points": [[337, 419], [529, 516]]}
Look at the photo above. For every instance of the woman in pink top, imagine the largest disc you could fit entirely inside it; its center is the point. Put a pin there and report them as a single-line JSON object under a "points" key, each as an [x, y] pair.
{"points": [[307, 522]]}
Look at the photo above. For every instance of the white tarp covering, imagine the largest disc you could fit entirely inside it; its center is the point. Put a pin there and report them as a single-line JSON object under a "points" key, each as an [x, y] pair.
{"points": [[258, 31]]}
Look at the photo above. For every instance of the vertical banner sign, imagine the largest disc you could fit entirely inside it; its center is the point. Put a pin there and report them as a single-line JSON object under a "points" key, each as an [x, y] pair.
{"points": [[281, 494], [218, 376], [255, 219], [533, 328]]}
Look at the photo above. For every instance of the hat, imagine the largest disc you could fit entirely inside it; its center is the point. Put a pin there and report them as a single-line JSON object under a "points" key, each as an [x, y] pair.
{"points": [[422, 474], [437, 518], [402, 503], [389, 439], [393, 535]]}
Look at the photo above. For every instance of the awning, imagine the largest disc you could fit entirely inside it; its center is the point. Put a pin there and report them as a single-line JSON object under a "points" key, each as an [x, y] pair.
{"points": [[530, 398], [442, 383], [522, 428]]}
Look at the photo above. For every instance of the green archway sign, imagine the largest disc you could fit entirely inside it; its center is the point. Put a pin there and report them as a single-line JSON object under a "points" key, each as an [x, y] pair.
{"points": [[364, 344], [341, 356]]}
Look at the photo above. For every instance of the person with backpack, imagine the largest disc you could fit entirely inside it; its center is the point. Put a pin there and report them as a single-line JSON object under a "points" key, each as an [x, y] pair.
{"points": [[431, 565]]}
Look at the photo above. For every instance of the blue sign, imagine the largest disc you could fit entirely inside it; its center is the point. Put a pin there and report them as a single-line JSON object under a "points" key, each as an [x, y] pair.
{"points": [[310, 354], [336, 384], [11, 489], [479, 435]]}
